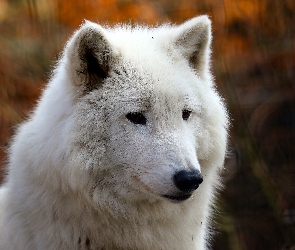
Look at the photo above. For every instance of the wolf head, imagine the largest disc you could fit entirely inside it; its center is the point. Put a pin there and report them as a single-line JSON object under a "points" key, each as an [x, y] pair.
{"points": [[148, 123]]}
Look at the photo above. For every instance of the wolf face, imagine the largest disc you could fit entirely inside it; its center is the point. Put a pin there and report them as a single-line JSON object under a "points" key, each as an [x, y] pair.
{"points": [[152, 139], [145, 85]]}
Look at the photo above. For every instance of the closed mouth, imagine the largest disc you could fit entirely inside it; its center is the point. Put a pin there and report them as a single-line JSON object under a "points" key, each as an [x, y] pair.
{"points": [[181, 197]]}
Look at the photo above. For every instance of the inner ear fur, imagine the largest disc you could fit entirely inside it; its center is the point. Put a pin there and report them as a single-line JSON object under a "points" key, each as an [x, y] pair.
{"points": [[89, 55], [193, 40]]}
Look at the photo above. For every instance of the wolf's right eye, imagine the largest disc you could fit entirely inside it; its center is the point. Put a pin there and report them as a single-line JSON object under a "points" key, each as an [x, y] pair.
{"points": [[186, 114], [136, 118]]}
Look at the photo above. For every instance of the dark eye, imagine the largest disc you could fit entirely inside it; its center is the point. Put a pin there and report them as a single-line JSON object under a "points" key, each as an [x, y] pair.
{"points": [[136, 118], [186, 114]]}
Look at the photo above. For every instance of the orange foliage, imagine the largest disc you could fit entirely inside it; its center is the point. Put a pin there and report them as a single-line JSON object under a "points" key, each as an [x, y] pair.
{"points": [[73, 13], [252, 11]]}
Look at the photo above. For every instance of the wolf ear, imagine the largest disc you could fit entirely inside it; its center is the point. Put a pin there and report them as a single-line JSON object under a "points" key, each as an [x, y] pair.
{"points": [[89, 56], [193, 40]]}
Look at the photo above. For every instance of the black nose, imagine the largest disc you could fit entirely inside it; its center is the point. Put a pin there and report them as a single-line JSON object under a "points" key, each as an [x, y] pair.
{"points": [[188, 180]]}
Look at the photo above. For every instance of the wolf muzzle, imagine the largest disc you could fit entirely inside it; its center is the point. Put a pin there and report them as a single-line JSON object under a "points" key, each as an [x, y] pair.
{"points": [[188, 180]]}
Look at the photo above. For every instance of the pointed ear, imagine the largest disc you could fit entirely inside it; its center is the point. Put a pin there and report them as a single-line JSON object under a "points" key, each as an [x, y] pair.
{"points": [[193, 40], [89, 56]]}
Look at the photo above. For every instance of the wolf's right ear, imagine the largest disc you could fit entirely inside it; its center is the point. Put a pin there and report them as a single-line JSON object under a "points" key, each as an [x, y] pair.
{"points": [[89, 56]]}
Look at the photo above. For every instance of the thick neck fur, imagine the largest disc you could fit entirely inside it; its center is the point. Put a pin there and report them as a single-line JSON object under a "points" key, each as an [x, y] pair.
{"points": [[82, 226]]}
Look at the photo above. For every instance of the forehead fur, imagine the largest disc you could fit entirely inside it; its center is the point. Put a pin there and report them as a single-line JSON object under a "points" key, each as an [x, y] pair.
{"points": [[152, 53], [170, 55]]}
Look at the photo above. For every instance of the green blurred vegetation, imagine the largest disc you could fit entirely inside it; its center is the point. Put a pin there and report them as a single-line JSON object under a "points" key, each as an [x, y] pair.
{"points": [[254, 64]]}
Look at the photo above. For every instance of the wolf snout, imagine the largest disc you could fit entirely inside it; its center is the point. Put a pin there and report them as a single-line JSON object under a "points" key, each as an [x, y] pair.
{"points": [[188, 180]]}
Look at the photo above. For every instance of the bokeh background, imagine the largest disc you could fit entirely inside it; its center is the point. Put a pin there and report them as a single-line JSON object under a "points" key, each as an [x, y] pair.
{"points": [[254, 65]]}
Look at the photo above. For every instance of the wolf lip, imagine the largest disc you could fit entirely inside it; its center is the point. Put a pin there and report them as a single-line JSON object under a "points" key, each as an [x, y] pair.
{"points": [[181, 197]]}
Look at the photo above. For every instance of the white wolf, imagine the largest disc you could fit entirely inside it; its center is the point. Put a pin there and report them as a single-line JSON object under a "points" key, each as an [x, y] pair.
{"points": [[114, 154]]}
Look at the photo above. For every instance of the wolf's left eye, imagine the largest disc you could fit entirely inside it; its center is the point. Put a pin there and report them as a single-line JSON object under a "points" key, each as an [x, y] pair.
{"points": [[186, 114], [136, 118]]}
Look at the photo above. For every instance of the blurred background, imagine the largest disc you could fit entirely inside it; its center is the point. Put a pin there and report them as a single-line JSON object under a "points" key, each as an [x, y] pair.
{"points": [[254, 67]]}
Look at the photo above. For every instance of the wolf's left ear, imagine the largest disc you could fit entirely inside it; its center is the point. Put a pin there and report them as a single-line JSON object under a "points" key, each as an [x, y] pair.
{"points": [[193, 40], [89, 56]]}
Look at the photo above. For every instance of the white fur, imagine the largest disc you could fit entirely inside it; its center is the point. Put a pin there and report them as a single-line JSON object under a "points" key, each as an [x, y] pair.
{"points": [[82, 176]]}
